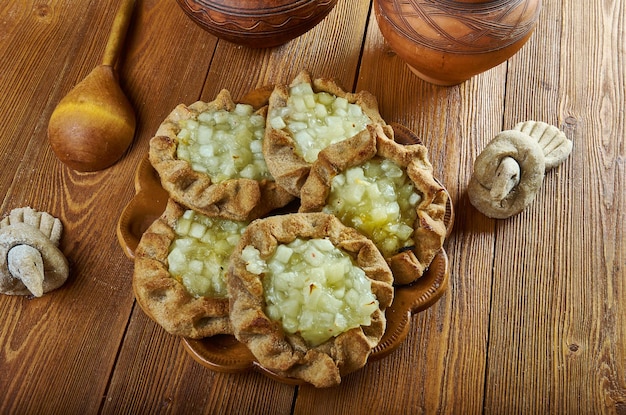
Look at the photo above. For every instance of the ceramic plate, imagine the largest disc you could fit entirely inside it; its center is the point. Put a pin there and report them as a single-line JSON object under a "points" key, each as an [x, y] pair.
{"points": [[223, 353]]}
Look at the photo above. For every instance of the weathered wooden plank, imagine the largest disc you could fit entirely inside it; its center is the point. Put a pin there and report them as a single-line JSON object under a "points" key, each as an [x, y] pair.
{"points": [[331, 49], [519, 345], [555, 340], [56, 333], [154, 374], [31, 71], [442, 361]]}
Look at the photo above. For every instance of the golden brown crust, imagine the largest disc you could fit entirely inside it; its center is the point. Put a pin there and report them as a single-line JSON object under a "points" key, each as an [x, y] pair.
{"points": [[429, 227], [286, 354], [165, 299], [235, 199], [288, 168]]}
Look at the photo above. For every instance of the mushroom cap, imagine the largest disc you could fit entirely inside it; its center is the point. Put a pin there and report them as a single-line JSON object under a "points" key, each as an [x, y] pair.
{"points": [[529, 156], [26, 264]]}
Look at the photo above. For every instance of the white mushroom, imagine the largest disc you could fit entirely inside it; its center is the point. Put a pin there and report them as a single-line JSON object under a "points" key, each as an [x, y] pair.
{"points": [[507, 175], [510, 170], [26, 264], [30, 261]]}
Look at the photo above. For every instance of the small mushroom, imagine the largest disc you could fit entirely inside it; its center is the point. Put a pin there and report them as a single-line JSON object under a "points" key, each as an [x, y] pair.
{"points": [[30, 260], [510, 170], [507, 175]]}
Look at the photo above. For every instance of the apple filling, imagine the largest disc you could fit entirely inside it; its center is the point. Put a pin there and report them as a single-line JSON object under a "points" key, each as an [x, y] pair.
{"points": [[317, 120], [313, 288], [378, 199], [198, 256], [224, 144]]}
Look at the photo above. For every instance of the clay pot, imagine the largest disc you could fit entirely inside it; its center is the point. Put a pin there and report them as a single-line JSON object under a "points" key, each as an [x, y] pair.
{"points": [[257, 23], [446, 42]]}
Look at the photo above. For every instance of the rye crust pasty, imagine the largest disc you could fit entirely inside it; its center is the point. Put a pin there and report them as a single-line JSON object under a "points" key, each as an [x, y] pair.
{"points": [[179, 278], [209, 158], [308, 296], [387, 192], [307, 116]]}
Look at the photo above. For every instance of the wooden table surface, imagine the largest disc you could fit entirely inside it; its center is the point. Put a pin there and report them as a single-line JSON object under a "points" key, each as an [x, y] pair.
{"points": [[533, 320]]}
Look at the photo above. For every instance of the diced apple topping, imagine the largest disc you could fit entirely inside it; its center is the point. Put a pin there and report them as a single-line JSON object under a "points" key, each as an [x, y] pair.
{"points": [[317, 120], [313, 288], [199, 255], [378, 199], [224, 144]]}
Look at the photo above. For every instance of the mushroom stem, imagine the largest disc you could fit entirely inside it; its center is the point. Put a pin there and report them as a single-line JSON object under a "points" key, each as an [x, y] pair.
{"points": [[26, 264], [507, 177]]}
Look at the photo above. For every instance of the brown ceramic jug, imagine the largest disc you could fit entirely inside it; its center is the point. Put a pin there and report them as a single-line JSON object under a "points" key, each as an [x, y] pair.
{"points": [[446, 42], [257, 23]]}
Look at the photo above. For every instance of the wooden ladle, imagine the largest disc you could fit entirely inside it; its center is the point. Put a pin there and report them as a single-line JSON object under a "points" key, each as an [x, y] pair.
{"points": [[93, 125]]}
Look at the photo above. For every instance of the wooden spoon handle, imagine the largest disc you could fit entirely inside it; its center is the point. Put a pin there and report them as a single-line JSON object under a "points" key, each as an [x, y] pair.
{"points": [[118, 33]]}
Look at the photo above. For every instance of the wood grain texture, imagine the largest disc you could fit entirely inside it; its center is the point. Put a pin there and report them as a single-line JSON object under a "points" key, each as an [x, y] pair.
{"points": [[452, 335], [594, 334], [41, 182], [331, 49], [533, 320], [557, 306], [154, 364], [88, 205]]}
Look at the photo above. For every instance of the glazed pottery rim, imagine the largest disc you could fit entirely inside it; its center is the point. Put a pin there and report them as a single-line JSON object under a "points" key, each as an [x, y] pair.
{"points": [[253, 12], [519, 33]]}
